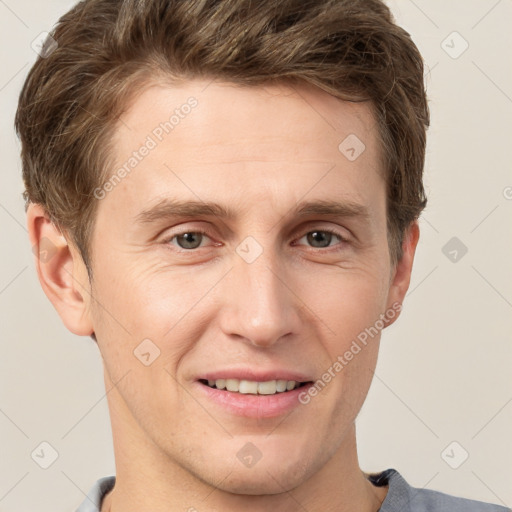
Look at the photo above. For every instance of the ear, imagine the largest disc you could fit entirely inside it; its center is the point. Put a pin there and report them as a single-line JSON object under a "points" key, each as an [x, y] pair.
{"points": [[401, 274], [61, 271]]}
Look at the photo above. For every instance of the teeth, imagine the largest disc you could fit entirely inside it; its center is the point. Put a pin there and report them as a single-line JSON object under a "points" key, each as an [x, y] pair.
{"points": [[281, 385], [232, 384], [248, 386], [270, 387], [267, 388]]}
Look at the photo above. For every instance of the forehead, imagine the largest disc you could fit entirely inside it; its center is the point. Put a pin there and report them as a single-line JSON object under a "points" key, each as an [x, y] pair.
{"points": [[220, 141], [221, 109]]}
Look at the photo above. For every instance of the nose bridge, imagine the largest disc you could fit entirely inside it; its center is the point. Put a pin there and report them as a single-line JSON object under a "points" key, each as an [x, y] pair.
{"points": [[261, 307]]}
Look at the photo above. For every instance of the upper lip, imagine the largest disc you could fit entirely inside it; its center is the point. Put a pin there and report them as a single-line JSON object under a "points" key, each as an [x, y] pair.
{"points": [[257, 375]]}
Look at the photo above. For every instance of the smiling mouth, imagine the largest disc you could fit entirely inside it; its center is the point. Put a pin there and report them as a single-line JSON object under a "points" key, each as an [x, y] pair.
{"points": [[251, 387]]}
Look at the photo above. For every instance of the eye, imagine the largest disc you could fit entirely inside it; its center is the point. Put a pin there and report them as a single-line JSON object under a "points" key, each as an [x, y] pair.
{"points": [[322, 238], [317, 239], [188, 240]]}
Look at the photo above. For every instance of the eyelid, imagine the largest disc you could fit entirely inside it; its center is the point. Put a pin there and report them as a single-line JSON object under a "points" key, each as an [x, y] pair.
{"points": [[343, 233]]}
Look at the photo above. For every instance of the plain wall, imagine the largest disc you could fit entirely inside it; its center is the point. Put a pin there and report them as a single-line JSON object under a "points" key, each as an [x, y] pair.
{"points": [[444, 370]]}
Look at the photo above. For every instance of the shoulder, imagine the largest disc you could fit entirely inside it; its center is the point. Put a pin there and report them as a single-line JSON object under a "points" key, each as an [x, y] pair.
{"points": [[402, 497], [92, 502]]}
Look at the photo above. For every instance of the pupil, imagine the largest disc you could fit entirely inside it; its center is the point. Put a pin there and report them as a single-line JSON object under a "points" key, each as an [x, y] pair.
{"points": [[319, 236]]}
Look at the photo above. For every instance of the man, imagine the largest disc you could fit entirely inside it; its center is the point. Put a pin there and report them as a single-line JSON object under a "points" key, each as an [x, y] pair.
{"points": [[229, 194]]}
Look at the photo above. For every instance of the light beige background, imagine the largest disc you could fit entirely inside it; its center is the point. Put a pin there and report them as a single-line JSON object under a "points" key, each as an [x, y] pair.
{"points": [[445, 369]]}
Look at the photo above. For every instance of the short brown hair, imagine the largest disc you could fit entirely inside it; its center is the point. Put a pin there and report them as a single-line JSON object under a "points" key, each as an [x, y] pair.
{"points": [[110, 49]]}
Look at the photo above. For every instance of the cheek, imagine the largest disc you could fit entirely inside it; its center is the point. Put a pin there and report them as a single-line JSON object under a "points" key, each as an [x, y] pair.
{"points": [[144, 306], [346, 302], [348, 306]]}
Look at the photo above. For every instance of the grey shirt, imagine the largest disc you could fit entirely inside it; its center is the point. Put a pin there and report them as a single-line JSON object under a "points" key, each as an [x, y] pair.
{"points": [[401, 497]]}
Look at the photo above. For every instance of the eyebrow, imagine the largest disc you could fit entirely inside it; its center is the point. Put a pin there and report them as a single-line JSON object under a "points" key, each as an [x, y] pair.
{"points": [[170, 208]]}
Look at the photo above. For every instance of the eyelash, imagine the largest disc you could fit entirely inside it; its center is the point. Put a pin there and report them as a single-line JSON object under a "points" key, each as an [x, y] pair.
{"points": [[343, 239]]}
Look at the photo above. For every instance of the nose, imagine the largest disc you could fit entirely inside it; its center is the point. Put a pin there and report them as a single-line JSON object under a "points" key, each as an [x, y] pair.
{"points": [[260, 305]]}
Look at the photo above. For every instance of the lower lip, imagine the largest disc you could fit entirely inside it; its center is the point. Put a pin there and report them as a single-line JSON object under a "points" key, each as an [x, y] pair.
{"points": [[254, 406]]}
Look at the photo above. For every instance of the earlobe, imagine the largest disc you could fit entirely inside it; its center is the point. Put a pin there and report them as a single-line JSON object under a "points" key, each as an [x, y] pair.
{"points": [[401, 276], [61, 271]]}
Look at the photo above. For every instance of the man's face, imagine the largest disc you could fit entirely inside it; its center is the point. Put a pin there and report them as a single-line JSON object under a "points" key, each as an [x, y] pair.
{"points": [[271, 292]]}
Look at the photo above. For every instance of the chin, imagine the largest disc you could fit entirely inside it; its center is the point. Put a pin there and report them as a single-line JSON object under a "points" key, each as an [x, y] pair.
{"points": [[279, 463], [251, 483], [274, 474]]}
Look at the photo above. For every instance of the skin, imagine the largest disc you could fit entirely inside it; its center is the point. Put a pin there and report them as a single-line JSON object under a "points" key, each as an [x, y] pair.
{"points": [[260, 151]]}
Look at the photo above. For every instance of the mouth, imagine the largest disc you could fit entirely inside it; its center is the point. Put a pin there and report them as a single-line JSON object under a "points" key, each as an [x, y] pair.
{"points": [[252, 387], [255, 396]]}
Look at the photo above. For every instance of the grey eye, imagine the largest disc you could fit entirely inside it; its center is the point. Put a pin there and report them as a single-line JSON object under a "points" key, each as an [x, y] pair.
{"points": [[319, 238], [191, 240]]}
